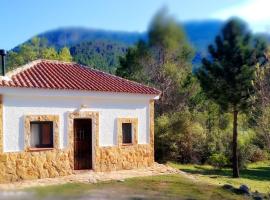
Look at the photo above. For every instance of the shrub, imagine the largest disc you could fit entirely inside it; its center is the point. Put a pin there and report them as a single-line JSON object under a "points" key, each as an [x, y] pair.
{"points": [[178, 138], [257, 154], [218, 160]]}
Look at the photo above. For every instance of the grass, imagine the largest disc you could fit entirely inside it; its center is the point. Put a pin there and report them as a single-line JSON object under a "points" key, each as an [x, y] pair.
{"points": [[207, 185], [154, 187], [256, 176], [69, 189]]}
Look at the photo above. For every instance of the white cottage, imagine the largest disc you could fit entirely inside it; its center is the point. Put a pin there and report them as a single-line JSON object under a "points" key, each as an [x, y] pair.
{"points": [[57, 117]]}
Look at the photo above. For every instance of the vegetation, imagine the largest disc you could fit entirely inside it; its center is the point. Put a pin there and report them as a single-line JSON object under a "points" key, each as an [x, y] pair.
{"points": [[69, 37], [193, 120], [35, 49], [164, 61], [228, 76], [256, 175], [100, 54], [155, 187]]}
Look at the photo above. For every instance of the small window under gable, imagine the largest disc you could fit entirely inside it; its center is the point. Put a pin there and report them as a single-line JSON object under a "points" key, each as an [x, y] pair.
{"points": [[127, 133], [41, 134]]}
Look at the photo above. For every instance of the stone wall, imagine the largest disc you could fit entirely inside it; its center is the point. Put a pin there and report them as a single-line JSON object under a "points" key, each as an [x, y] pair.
{"points": [[125, 157], [55, 162], [34, 165]]}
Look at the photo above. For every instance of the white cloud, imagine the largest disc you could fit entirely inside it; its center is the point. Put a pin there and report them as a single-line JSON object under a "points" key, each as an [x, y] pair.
{"points": [[255, 12]]}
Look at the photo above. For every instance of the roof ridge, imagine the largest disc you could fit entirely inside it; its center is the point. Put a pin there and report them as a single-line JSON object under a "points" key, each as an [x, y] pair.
{"points": [[23, 68]]}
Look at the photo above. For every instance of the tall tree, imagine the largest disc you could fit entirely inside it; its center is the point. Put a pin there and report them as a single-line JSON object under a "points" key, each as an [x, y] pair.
{"points": [[65, 55], [261, 112], [227, 76], [163, 61]]}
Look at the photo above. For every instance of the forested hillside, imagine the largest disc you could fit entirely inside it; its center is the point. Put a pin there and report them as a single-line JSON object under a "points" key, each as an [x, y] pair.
{"points": [[102, 49], [200, 33], [72, 36], [101, 54]]}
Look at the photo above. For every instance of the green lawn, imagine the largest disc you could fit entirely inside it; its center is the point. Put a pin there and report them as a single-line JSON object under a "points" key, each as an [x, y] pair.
{"points": [[155, 187], [256, 176]]}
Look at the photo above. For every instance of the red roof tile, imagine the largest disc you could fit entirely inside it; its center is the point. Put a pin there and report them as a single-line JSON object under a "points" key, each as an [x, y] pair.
{"points": [[48, 74]]}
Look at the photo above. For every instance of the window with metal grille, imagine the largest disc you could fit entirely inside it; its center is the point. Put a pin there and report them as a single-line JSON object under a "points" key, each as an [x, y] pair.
{"points": [[41, 134], [127, 133]]}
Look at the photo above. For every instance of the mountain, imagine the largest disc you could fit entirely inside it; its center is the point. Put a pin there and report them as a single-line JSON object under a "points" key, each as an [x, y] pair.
{"points": [[102, 49], [73, 36], [200, 34]]}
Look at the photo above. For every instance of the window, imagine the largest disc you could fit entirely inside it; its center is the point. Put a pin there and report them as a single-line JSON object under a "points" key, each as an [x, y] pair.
{"points": [[127, 133], [41, 134]]}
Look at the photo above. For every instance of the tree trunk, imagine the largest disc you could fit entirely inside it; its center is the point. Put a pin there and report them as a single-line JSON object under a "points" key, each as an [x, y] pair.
{"points": [[235, 153]]}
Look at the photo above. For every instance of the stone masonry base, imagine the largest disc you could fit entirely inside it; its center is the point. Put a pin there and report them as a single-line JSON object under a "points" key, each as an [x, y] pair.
{"points": [[54, 163]]}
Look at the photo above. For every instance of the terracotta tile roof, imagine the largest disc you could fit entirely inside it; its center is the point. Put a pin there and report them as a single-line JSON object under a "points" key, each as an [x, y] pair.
{"points": [[47, 74]]}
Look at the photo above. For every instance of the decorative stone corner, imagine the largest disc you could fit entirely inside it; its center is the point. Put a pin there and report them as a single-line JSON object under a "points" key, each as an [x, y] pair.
{"points": [[41, 118], [152, 126], [95, 134], [134, 122]]}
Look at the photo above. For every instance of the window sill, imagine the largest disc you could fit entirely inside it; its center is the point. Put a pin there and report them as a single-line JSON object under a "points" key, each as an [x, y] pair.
{"points": [[40, 149], [128, 144]]}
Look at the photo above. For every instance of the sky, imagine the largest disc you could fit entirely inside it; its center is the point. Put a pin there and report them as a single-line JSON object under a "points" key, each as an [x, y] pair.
{"points": [[22, 19]]}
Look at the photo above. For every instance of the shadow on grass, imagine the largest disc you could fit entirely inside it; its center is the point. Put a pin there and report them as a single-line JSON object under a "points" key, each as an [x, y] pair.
{"points": [[256, 173]]}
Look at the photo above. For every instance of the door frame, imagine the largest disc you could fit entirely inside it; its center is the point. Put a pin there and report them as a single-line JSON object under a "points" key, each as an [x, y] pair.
{"points": [[94, 116]]}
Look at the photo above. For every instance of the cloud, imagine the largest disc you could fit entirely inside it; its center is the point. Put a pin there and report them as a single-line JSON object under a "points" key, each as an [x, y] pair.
{"points": [[255, 12]]}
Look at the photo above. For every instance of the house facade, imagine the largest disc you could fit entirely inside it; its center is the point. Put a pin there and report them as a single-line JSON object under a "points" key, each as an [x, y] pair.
{"points": [[57, 117]]}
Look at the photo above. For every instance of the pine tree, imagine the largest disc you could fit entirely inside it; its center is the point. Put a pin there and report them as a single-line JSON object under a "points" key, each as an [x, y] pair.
{"points": [[227, 75]]}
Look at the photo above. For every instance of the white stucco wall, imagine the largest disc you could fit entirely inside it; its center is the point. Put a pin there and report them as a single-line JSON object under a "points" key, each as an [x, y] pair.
{"points": [[20, 102]]}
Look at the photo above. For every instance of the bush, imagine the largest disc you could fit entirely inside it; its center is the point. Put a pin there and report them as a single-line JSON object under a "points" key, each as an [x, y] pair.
{"points": [[256, 154], [178, 138], [251, 153], [218, 160]]}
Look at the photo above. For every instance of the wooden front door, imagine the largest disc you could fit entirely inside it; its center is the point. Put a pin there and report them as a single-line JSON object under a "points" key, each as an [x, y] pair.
{"points": [[82, 144]]}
